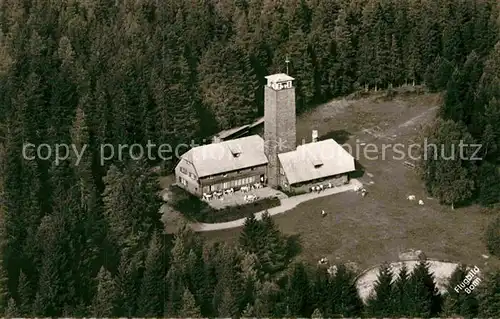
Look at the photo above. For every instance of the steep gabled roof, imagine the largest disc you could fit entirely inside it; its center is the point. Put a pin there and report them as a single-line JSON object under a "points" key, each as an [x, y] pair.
{"points": [[218, 158], [316, 160]]}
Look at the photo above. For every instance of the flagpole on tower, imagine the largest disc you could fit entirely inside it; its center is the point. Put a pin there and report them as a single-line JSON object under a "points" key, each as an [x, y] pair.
{"points": [[287, 61]]}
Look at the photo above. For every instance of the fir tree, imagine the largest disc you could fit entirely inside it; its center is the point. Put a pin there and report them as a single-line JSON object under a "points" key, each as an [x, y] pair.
{"points": [[228, 84], [316, 314], [489, 139], [396, 62], [249, 277], [273, 255], [229, 295], [402, 294], [422, 288], [175, 291], [265, 301], [345, 68], [343, 294], [105, 298], [189, 308], [302, 68], [11, 311], [127, 284], [181, 270], [320, 291], [197, 278], [248, 312], [459, 303], [489, 183], [382, 302], [131, 205], [227, 307], [150, 302], [4, 290], [55, 284], [24, 292], [490, 296], [298, 298], [447, 173], [250, 236], [366, 74], [4, 293], [493, 236]]}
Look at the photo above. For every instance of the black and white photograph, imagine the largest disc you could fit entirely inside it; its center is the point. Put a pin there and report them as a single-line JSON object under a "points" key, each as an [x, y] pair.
{"points": [[250, 159]]}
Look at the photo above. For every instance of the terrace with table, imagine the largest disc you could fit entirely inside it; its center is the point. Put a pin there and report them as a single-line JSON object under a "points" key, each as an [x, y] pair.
{"points": [[241, 196]]}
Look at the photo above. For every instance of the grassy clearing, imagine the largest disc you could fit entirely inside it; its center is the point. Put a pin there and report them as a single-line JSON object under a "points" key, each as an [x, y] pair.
{"points": [[376, 228]]}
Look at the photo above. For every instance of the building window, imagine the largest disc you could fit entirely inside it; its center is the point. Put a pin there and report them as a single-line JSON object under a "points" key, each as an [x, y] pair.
{"points": [[192, 176], [183, 170], [249, 180], [183, 181]]}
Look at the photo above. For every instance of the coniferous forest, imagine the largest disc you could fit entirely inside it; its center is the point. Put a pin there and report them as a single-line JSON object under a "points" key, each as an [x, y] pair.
{"points": [[87, 240]]}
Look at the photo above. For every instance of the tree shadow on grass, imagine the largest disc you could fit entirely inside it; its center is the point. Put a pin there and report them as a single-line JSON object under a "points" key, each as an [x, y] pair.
{"points": [[339, 136], [359, 172], [293, 246]]}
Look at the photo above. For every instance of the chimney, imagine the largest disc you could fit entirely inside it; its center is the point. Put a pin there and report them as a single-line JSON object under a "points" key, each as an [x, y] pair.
{"points": [[216, 139], [314, 136]]}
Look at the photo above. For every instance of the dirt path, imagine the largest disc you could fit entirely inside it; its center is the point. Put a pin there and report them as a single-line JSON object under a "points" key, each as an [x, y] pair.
{"points": [[417, 118]]}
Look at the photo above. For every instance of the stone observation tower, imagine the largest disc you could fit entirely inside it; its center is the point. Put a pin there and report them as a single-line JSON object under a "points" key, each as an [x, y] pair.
{"points": [[279, 122]]}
